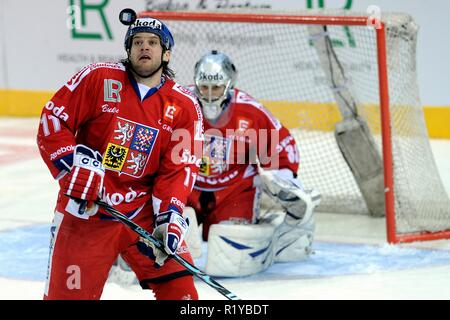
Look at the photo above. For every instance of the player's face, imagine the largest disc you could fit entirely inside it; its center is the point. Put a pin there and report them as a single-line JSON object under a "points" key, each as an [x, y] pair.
{"points": [[215, 93], [211, 97], [145, 53]]}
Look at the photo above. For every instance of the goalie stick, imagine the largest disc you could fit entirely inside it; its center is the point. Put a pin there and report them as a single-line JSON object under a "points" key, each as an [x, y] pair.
{"points": [[352, 134], [189, 267]]}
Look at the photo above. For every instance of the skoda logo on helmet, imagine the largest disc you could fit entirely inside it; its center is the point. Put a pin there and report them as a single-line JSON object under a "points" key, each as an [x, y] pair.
{"points": [[151, 23], [210, 77]]}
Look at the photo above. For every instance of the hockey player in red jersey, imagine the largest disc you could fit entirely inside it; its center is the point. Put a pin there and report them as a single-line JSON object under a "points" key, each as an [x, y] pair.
{"points": [[226, 197], [109, 134]]}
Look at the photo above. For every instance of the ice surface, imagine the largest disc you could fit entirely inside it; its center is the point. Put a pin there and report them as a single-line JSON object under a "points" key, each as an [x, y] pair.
{"points": [[351, 259]]}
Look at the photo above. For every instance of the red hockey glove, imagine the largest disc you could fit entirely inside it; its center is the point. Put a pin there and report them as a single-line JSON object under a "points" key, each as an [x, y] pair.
{"points": [[84, 181], [170, 228]]}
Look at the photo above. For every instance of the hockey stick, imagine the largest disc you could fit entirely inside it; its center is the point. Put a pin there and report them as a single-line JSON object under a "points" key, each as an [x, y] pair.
{"points": [[352, 134], [189, 267]]}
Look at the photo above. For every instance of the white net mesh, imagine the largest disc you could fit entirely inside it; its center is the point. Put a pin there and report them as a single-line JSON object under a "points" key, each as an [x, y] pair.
{"points": [[278, 65]]}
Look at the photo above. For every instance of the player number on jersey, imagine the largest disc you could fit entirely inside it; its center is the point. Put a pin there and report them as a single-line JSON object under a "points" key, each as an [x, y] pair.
{"points": [[293, 155], [190, 178], [45, 124]]}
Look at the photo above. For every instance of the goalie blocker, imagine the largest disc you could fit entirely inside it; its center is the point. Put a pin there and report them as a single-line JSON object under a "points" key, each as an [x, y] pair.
{"points": [[241, 250]]}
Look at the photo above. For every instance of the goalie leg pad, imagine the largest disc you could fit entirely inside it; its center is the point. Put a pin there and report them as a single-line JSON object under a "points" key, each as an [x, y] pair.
{"points": [[193, 238], [294, 241], [122, 274], [240, 250]]}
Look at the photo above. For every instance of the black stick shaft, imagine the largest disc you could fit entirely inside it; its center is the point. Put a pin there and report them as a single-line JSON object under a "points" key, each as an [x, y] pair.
{"points": [[147, 235]]}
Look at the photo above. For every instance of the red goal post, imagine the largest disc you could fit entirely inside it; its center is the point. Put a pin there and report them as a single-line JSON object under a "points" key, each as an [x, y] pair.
{"points": [[417, 228]]}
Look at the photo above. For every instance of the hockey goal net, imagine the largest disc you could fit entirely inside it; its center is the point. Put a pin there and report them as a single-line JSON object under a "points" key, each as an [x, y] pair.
{"points": [[346, 86]]}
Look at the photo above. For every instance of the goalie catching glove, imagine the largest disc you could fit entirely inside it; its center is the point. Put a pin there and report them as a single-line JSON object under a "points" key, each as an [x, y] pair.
{"points": [[170, 228], [85, 180], [289, 192]]}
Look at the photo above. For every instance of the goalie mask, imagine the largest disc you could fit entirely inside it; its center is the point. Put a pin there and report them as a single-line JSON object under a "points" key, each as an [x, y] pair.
{"points": [[214, 76]]}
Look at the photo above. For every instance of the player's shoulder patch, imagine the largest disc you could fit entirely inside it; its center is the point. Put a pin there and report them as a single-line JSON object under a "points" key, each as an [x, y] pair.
{"points": [[243, 98], [190, 95], [80, 75], [185, 92]]}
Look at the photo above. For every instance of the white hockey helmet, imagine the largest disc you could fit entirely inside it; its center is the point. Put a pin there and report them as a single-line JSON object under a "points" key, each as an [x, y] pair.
{"points": [[214, 70]]}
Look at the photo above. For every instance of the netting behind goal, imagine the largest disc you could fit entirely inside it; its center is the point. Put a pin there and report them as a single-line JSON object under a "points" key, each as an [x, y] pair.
{"points": [[278, 64]]}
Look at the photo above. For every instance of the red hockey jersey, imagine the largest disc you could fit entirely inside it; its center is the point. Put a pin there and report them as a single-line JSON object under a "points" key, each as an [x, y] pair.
{"points": [[150, 147], [245, 131]]}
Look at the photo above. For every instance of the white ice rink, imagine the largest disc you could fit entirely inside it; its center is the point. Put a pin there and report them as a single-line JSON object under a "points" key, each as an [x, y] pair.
{"points": [[351, 259]]}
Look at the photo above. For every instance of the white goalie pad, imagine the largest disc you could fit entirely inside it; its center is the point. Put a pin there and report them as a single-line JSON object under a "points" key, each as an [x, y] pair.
{"points": [[122, 274], [295, 235], [193, 238], [294, 241], [240, 250]]}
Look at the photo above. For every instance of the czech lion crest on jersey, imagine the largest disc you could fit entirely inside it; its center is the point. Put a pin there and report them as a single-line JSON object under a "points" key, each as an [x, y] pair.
{"points": [[215, 154], [129, 147]]}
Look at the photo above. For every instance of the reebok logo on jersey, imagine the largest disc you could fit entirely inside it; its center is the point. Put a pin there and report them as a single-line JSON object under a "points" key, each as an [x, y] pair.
{"points": [[61, 151], [177, 202]]}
